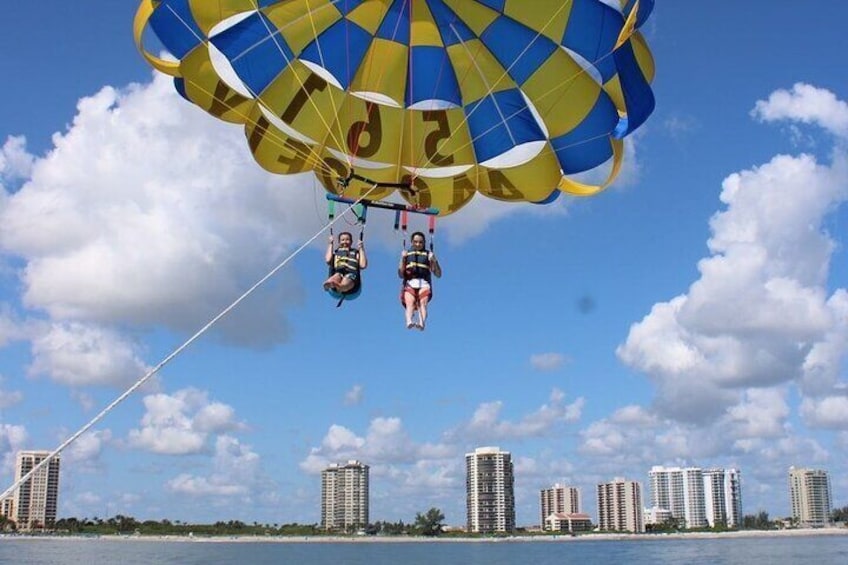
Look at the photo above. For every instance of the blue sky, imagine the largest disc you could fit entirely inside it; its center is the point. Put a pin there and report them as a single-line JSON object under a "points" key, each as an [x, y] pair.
{"points": [[695, 313]]}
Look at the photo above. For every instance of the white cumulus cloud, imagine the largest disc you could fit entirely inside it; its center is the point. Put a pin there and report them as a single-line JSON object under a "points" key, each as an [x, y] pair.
{"points": [[760, 311], [180, 424], [77, 354], [236, 472], [808, 104]]}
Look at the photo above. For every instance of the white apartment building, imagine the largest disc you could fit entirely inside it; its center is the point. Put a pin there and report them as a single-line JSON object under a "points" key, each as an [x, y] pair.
{"points": [[620, 506], [723, 497], [344, 496], [489, 487], [680, 490], [35, 501], [558, 499], [809, 495]]}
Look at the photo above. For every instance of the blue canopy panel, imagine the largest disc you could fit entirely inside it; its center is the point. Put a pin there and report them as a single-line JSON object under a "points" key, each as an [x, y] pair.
{"points": [[592, 31], [340, 50], [343, 6], [257, 52], [551, 197], [395, 24], [179, 85], [587, 145], [499, 122], [434, 78], [451, 28], [494, 4], [638, 96], [520, 50], [174, 25]]}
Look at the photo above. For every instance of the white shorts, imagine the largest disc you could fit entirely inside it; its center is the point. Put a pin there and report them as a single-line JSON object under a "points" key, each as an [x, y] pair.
{"points": [[417, 283]]}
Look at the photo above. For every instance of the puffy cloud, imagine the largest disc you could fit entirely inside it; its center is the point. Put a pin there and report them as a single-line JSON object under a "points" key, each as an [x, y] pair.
{"points": [[487, 425], [759, 315], [84, 453], [119, 225], [180, 424], [13, 438], [203, 486], [11, 328], [547, 361], [353, 397], [762, 414], [216, 417], [15, 161], [630, 427], [236, 472], [386, 443], [9, 398], [78, 354], [820, 371], [808, 104], [828, 412]]}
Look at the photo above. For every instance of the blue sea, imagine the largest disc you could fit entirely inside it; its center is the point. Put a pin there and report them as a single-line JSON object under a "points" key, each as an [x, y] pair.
{"points": [[820, 550]]}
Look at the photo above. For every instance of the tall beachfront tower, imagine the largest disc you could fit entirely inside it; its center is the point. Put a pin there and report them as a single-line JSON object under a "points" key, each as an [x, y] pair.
{"points": [[809, 495], [558, 499], [35, 501], [723, 497], [679, 490], [620, 506], [490, 494], [344, 496]]}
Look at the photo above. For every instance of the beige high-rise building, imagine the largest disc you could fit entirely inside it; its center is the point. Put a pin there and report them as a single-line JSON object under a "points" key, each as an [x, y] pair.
{"points": [[809, 495], [620, 506], [344, 497], [558, 499], [489, 487], [35, 501], [7, 507]]}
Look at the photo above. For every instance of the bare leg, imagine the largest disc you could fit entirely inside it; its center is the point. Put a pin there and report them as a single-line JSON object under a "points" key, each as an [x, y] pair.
{"points": [[409, 306], [422, 311], [346, 284], [333, 282]]}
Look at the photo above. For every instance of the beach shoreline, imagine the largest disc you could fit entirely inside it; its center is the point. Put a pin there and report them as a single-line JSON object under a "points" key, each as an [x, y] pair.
{"points": [[564, 538]]}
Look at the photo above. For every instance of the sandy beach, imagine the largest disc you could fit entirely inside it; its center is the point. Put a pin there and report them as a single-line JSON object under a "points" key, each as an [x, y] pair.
{"points": [[444, 539]]}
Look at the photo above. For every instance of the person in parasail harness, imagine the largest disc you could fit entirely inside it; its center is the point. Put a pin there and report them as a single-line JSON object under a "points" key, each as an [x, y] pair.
{"points": [[345, 264], [417, 265]]}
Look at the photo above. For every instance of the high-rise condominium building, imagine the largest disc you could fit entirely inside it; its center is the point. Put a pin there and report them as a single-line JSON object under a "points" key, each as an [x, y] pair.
{"points": [[558, 499], [489, 487], [723, 497], [809, 495], [7, 507], [344, 496], [35, 501], [620, 506], [680, 491]]}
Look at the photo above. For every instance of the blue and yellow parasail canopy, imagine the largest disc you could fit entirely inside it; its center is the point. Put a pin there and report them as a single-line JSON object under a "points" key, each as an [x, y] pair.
{"points": [[442, 98]]}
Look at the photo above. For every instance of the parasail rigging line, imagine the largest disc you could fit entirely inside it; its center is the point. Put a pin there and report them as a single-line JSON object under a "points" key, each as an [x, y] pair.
{"points": [[172, 355]]}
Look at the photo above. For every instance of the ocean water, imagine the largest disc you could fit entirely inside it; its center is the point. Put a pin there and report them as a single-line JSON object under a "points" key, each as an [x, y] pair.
{"points": [[819, 550]]}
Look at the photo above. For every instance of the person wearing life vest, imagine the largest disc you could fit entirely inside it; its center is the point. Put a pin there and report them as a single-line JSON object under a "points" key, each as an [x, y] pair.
{"points": [[417, 266], [345, 263]]}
